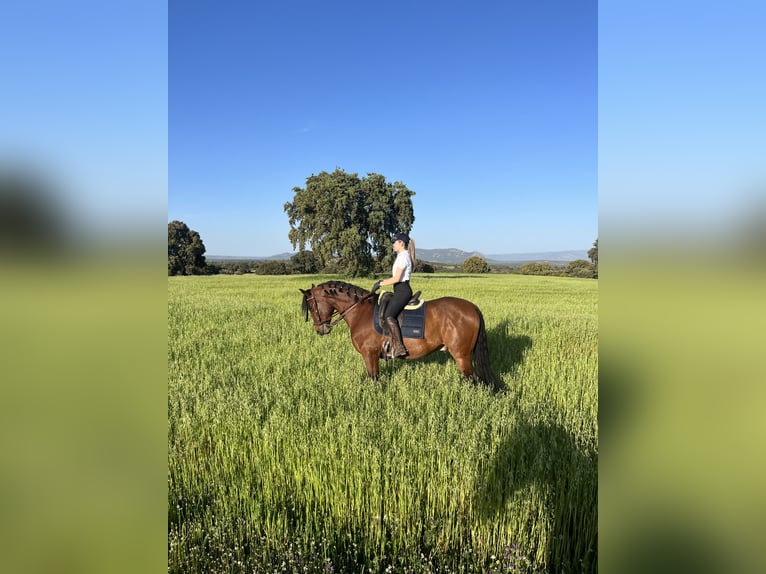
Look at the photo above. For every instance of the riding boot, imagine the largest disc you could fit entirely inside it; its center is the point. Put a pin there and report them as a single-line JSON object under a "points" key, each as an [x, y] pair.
{"points": [[396, 337]]}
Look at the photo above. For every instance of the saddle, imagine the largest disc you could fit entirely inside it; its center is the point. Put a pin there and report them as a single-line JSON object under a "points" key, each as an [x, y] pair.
{"points": [[385, 298], [411, 320]]}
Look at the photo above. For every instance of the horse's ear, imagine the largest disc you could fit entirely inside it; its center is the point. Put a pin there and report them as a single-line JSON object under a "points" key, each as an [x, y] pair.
{"points": [[312, 285], [301, 290]]}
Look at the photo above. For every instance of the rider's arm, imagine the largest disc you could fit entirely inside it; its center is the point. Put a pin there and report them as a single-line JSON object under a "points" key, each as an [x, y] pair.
{"points": [[396, 277]]}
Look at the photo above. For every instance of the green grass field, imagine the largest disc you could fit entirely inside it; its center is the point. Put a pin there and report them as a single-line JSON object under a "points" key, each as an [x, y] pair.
{"points": [[285, 457]]}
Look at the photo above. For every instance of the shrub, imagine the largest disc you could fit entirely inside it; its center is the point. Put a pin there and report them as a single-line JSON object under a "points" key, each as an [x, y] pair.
{"points": [[424, 267], [476, 264]]}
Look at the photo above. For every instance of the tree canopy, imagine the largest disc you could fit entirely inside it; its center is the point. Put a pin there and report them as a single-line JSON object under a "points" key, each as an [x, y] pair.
{"points": [[593, 256], [349, 221], [186, 252], [580, 268], [305, 262]]}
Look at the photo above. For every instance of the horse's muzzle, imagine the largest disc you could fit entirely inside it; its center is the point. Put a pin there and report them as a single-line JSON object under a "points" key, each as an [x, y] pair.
{"points": [[323, 329]]}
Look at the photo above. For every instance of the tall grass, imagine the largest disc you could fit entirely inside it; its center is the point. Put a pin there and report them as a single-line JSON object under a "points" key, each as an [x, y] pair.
{"points": [[284, 457]]}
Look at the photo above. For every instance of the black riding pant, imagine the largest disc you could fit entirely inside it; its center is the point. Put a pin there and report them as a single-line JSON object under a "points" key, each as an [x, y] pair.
{"points": [[402, 296]]}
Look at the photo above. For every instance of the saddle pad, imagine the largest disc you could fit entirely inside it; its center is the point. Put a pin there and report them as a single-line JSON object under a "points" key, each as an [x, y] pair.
{"points": [[413, 322]]}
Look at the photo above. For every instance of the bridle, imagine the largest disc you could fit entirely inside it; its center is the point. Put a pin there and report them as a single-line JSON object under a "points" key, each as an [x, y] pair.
{"points": [[330, 323]]}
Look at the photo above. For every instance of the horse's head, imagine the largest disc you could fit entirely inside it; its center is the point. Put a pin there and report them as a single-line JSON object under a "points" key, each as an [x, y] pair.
{"points": [[317, 302], [325, 300]]}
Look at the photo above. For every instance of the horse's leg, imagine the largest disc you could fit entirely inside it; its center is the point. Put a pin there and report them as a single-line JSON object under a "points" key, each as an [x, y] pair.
{"points": [[372, 362], [464, 364]]}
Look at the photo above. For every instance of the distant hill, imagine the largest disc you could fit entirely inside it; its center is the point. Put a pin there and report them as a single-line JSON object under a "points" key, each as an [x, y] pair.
{"points": [[449, 256], [541, 257], [457, 256], [445, 256]]}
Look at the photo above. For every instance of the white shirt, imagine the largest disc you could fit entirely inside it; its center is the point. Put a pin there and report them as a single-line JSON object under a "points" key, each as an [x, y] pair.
{"points": [[404, 262]]}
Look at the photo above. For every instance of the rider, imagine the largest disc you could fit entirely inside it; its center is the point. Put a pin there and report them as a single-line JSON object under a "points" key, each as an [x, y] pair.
{"points": [[400, 279]]}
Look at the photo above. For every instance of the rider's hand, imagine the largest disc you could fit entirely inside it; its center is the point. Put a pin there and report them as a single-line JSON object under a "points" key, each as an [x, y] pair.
{"points": [[375, 287]]}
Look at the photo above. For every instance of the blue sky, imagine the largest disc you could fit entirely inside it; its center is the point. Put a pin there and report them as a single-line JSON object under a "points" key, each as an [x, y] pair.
{"points": [[682, 119], [213, 116], [487, 110], [84, 105]]}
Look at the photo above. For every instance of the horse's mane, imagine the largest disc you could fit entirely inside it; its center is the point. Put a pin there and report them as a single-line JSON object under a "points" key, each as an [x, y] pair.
{"points": [[334, 287]]}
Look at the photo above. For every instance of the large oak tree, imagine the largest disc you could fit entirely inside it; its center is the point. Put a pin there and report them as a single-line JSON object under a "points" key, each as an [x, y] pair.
{"points": [[186, 252], [349, 221]]}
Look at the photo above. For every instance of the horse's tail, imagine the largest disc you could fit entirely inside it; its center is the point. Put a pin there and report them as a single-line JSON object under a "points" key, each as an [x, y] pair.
{"points": [[480, 357]]}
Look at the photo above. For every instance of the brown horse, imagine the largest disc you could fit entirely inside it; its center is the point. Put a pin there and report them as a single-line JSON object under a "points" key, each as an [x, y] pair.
{"points": [[450, 322]]}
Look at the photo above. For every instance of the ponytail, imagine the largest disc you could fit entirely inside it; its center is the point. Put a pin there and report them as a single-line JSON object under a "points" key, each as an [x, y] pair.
{"points": [[411, 249]]}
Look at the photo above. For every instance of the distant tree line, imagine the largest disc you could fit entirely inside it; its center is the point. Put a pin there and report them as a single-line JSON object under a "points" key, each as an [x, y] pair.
{"points": [[186, 256], [297, 265], [304, 262], [577, 268]]}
